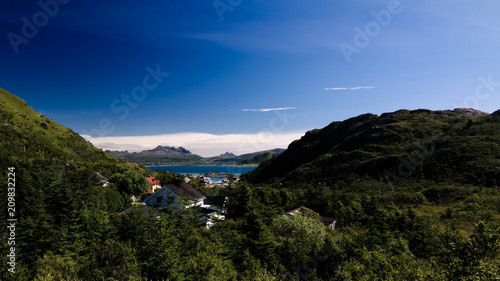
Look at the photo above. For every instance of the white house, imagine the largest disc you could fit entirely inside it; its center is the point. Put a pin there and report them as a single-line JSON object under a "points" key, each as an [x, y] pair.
{"points": [[184, 195], [172, 196]]}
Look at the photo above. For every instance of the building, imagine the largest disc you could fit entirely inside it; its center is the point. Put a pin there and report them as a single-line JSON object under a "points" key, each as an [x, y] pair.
{"points": [[173, 196], [103, 180], [154, 184], [184, 195], [327, 221]]}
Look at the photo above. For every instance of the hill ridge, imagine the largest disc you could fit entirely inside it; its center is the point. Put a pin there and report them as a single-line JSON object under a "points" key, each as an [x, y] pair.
{"points": [[373, 146]]}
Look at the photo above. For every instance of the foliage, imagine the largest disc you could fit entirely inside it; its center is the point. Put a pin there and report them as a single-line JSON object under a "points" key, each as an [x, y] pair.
{"points": [[442, 222], [130, 183]]}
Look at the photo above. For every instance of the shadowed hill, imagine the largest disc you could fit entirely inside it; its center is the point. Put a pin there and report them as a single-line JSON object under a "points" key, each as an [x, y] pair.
{"points": [[459, 145]]}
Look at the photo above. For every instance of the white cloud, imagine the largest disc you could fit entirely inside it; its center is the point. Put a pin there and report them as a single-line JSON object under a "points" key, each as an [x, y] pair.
{"points": [[203, 144], [269, 109], [352, 88]]}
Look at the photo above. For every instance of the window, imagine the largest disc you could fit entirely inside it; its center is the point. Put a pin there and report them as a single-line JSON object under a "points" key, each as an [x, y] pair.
{"points": [[170, 200], [159, 199]]}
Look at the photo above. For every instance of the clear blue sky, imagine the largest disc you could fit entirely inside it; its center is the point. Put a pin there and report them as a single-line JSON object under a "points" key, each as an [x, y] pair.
{"points": [[237, 66]]}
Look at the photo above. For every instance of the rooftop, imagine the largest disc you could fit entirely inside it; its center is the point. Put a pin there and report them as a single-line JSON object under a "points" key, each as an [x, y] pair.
{"points": [[185, 190]]}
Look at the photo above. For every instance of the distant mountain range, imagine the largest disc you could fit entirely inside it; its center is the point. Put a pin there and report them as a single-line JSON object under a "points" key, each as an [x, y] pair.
{"points": [[167, 155]]}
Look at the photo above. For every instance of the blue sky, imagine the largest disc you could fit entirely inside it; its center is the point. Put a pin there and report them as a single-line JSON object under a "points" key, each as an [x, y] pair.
{"points": [[240, 68]]}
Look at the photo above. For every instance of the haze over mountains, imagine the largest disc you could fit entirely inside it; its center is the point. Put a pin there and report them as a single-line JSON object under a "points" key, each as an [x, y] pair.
{"points": [[167, 155]]}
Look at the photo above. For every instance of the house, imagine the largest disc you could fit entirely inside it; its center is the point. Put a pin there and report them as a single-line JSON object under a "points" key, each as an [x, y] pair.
{"points": [[153, 184], [185, 196], [104, 181], [173, 196], [215, 211], [327, 221]]}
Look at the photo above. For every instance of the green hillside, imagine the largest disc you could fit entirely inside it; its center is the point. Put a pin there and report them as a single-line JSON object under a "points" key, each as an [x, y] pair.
{"points": [[259, 157], [370, 217], [459, 146], [28, 135]]}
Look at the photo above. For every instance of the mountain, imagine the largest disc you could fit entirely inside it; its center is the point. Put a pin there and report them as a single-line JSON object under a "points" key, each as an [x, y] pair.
{"points": [[259, 157], [161, 154], [166, 155], [26, 135], [254, 158], [460, 145]]}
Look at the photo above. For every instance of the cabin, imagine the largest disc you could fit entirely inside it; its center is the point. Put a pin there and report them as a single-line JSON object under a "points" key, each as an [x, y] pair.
{"points": [[327, 221], [153, 184]]}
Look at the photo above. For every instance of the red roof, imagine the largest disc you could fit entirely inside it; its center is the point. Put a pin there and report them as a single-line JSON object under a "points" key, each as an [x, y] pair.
{"points": [[153, 180]]}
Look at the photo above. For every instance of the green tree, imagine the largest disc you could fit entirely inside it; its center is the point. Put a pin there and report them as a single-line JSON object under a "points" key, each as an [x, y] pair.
{"points": [[130, 183]]}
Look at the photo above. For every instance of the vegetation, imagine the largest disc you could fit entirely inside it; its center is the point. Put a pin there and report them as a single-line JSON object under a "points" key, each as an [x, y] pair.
{"points": [[157, 156], [437, 218], [166, 155]]}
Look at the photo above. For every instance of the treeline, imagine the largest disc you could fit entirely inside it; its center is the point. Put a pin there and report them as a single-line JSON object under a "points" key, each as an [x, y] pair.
{"points": [[71, 228]]}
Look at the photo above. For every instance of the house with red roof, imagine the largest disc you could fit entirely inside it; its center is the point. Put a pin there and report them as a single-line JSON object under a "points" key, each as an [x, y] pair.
{"points": [[154, 184]]}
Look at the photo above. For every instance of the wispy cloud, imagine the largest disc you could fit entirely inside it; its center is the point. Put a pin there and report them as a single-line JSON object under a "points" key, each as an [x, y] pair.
{"points": [[351, 88], [269, 109], [203, 144]]}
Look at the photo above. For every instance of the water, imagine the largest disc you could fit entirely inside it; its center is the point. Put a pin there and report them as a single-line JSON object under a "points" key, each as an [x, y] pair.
{"points": [[198, 170]]}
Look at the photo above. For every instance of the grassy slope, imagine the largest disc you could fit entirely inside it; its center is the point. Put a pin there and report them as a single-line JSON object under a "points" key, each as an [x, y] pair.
{"points": [[27, 135]]}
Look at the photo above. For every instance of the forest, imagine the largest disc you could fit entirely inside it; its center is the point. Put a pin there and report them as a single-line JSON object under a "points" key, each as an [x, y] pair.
{"points": [[437, 218], [73, 229]]}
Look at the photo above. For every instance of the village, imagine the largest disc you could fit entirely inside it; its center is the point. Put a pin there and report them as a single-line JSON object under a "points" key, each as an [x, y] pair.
{"points": [[181, 196]]}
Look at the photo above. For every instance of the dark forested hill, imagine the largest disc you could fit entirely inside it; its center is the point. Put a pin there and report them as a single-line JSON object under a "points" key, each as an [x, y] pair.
{"points": [[460, 146]]}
